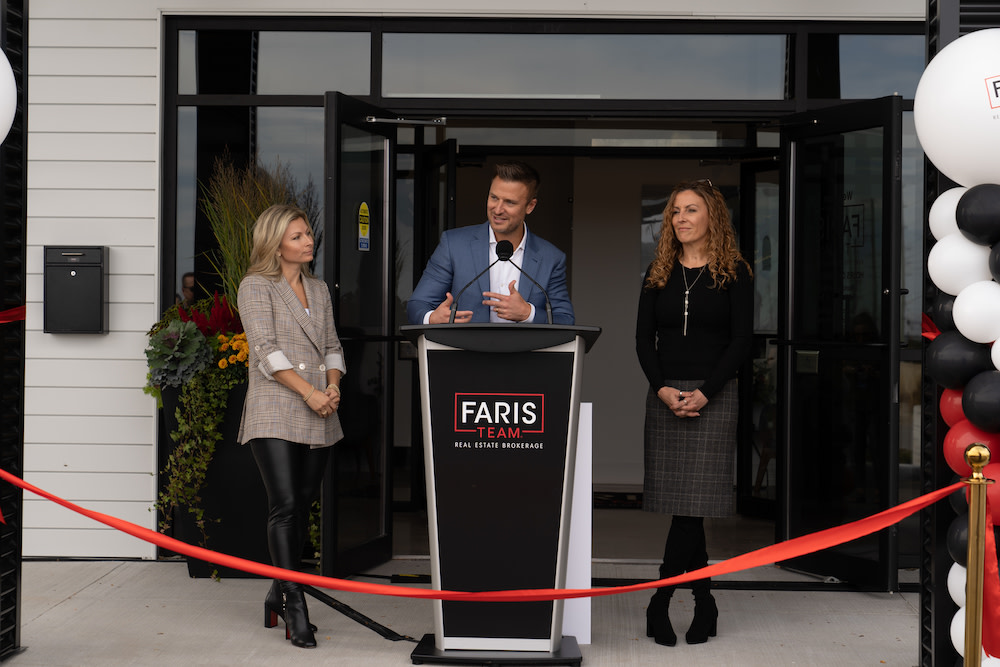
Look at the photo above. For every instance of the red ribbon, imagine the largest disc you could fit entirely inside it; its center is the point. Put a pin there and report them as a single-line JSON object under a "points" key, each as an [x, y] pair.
{"points": [[776, 552], [928, 329], [991, 591], [12, 315]]}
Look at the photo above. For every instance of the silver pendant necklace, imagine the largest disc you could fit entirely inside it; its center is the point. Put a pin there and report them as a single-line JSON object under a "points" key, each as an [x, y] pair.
{"points": [[687, 291]]}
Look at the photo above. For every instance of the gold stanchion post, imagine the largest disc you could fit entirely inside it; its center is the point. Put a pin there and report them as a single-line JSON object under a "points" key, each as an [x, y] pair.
{"points": [[977, 455]]}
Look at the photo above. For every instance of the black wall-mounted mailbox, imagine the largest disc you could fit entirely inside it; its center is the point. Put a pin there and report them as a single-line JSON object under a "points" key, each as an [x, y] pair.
{"points": [[75, 298]]}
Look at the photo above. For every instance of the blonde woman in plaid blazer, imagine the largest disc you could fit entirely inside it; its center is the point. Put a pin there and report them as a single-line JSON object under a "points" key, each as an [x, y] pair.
{"points": [[290, 416]]}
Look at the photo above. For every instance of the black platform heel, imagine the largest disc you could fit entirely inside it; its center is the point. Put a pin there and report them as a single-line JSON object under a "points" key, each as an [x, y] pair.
{"points": [[274, 609], [706, 621], [658, 619]]}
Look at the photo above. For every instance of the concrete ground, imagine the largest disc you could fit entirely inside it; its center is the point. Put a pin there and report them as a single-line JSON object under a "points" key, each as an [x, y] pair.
{"points": [[107, 613]]}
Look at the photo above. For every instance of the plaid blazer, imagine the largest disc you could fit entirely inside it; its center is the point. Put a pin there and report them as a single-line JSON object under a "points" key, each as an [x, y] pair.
{"points": [[281, 335]]}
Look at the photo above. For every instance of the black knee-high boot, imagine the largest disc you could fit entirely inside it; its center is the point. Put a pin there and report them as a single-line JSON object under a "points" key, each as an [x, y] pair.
{"points": [[677, 551], [706, 612], [280, 467]]}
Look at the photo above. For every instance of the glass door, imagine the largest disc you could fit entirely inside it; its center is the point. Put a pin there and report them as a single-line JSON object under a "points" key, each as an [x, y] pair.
{"points": [[360, 159], [839, 361]]}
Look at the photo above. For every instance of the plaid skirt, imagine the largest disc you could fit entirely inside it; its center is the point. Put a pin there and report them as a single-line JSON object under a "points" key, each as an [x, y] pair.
{"points": [[689, 462]]}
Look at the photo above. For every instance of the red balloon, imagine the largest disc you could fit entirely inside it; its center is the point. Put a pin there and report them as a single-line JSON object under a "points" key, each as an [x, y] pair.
{"points": [[992, 471], [960, 436], [951, 406]]}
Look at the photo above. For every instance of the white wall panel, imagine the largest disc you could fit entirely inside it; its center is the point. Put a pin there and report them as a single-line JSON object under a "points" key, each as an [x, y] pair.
{"points": [[89, 174], [93, 117], [92, 203], [122, 373], [84, 231], [115, 345], [126, 487], [86, 429], [48, 61], [90, 458], [43, 513], [92, 89], [95, 146], [97, 32], [90, 543], [89, 401]]}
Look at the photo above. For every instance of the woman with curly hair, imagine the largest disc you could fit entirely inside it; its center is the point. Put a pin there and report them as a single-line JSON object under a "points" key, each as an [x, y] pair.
{"points": [[693, 332]]}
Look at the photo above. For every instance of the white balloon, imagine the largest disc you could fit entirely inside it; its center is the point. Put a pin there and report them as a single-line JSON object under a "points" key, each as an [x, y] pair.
{"points": [[977, 312], [8, 96], [955, 262], [995, 355], [955, 109], [956, 583], [988, 661], [941, 217], [958, 631]]}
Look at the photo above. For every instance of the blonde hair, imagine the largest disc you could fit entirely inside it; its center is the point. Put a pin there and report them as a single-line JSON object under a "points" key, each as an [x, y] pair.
{"points": [[268, 231], [723, 252]]}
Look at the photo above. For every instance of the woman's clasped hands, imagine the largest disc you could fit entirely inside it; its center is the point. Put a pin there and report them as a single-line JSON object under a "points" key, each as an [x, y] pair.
{"points": [[682, 403], [326, 402]]}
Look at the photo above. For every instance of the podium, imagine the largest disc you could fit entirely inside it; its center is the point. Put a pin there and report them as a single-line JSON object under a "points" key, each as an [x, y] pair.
{"points": [[500, 407]]}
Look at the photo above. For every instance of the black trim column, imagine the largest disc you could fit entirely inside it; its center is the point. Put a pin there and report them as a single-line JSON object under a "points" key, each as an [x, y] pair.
{"points": [[13, 201]]}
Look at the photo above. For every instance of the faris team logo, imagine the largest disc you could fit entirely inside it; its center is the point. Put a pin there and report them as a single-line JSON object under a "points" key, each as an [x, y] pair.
{"points": [[491, 416]]}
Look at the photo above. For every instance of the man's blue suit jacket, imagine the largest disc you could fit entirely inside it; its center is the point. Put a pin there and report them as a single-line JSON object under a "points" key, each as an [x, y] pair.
{"points": [[464, 252]]}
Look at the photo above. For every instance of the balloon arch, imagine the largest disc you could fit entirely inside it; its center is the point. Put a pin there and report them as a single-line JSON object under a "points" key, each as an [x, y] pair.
{"points": [[956, 112]]}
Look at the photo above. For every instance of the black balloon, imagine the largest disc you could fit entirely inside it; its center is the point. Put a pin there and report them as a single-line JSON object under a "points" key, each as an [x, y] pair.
{"points": [[940, 312], [981, 401], [995, 262], [952, 359], [958, 539], [978, 214], [957, 499]]}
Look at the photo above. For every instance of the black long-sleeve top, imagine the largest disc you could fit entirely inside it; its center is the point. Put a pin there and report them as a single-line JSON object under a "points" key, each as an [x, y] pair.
{"points": [[719, 330]]}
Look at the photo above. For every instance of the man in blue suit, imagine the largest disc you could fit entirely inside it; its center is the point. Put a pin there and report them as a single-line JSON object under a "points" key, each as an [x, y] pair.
{"points": [[501, 294]]}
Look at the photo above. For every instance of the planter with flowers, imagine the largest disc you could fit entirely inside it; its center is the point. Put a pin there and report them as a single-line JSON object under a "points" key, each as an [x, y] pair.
{"points": [[211, 493]]}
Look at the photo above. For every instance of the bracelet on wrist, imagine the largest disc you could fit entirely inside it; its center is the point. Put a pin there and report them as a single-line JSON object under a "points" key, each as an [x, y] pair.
{"points": [[334, 387], [309, 395]]}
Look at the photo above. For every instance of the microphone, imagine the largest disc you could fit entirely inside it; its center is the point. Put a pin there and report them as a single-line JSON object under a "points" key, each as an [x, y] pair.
{"points": [[509, 250], [504, 250]]}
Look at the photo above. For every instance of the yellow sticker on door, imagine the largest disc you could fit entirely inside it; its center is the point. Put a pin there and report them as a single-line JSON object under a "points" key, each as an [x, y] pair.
{"points": [[364, 235]]}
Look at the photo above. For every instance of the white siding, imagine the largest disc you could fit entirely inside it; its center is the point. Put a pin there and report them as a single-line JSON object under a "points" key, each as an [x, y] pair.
{"points": [[93, 179]]}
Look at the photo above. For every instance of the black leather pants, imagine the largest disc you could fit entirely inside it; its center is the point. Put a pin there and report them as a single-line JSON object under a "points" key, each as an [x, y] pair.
{"points": [[292, 475]]}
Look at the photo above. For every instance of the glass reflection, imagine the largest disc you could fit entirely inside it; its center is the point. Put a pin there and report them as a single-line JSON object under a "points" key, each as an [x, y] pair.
{"points": [[187, 191], [286, 62], [880, 65], [291, 137], [526, 66], [310, 63], [912, 260]]}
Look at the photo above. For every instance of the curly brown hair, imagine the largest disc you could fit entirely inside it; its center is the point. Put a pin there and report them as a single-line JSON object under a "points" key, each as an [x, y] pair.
{"points": [[723, 251]]}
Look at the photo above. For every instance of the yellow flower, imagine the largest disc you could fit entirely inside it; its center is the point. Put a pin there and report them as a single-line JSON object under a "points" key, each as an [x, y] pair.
{"points": [[222, 338], [242, 355], [224, 347], [232, 358], [223, 363]]}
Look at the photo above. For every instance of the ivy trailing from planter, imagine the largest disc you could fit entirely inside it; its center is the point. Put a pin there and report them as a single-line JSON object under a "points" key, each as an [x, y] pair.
{"points": [[204, 353]]}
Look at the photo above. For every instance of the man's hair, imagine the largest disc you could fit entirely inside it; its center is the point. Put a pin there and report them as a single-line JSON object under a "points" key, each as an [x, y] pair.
{"points": [[513, 171]]}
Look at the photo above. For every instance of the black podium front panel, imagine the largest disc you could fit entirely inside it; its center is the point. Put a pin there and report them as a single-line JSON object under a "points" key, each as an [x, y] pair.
{"points": [[500, 412], [500, 459]]}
